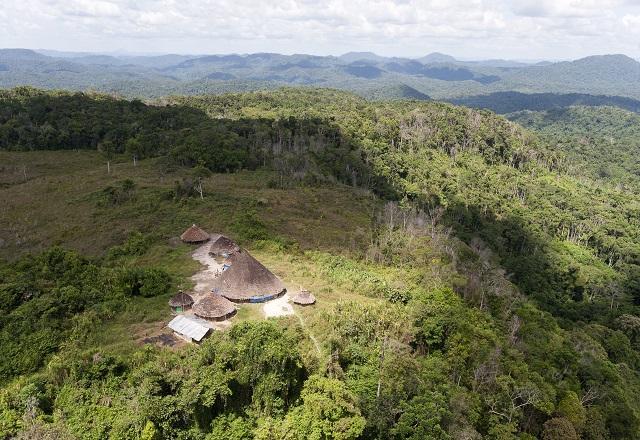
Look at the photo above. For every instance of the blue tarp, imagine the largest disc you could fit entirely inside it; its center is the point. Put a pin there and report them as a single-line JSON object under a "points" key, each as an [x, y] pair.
{"points": [[259, 299]]}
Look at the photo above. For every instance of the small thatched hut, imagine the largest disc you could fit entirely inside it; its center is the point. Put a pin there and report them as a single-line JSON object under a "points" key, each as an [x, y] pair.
{"points": [[247, 280], [180, 302], [223, 246], [194, 235], [304, 298], [214, 308]]}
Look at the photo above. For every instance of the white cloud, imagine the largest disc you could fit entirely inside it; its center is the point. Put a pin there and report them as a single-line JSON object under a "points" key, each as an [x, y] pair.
{"points": [[472, 28], [563, 8], [91, 8], [632, 22]]}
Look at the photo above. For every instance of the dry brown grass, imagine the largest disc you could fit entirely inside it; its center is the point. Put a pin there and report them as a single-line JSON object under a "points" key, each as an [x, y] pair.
{"points": [[58, 204]]}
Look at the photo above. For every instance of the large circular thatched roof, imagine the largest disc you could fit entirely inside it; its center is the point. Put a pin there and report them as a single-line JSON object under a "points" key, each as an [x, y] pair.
{"points": [[223, 245], [304, 298], [214, 307], [181, 299], [246, 279], [194, 235]]}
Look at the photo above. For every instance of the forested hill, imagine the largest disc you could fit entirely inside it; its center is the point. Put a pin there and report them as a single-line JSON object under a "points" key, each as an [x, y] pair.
{"points": [[510, 102], [602, 142], [471, 284]]}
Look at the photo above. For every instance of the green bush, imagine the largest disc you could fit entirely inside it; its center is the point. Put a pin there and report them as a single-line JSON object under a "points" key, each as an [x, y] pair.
{"points": [[247, 226]]}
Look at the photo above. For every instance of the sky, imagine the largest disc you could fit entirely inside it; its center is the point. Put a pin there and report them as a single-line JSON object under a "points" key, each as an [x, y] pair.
{"points": [[474, 29]]}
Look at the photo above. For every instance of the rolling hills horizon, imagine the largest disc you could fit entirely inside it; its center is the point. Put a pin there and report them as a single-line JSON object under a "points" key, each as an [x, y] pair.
{"points": [[434, 76]]}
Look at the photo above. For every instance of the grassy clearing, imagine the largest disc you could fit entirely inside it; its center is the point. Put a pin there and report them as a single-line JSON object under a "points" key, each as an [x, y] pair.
{"points": [[62, 202], [145, 317]]}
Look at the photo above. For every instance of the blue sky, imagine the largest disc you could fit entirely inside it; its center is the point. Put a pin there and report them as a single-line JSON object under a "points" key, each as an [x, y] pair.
{"points": [[519, 29]]}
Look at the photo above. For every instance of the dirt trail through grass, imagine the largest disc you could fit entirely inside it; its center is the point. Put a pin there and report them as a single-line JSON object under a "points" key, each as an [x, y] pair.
{"points": [[204, 277], [313, 338], [203, 280]]}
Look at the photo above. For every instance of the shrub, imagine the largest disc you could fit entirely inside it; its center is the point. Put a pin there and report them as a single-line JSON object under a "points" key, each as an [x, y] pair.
{"points": [[559, 428]]}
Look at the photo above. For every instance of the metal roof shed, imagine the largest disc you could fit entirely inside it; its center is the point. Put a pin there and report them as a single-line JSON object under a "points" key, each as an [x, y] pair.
{"points": [[189, 328]]}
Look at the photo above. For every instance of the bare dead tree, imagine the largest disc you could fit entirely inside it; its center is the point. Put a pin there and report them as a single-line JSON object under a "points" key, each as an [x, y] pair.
{"points": [[381, 364], [487, 372], [519, 398], [615, 292], [199, 189], [514, 327], [590, 396], [435, 214]]}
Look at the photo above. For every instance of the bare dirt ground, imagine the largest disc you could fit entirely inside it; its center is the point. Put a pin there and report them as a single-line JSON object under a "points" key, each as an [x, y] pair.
{"points": [[158, 334], [203, 280], [278, 307], [162, 340], [204, 277]]}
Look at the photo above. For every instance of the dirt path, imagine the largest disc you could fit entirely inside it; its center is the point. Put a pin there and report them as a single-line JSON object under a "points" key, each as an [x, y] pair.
{"points": [[313, 338], [282, 307], [204, 277], [204, 282]]}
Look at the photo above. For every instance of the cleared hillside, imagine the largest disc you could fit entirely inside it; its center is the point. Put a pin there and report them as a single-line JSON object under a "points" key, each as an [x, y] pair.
{"points": [[467, 285]]}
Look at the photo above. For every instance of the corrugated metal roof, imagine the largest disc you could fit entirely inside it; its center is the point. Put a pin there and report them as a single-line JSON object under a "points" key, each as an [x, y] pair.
{"points": [[189, 326]]}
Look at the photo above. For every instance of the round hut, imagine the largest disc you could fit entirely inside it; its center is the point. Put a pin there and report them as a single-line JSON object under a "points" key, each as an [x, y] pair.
{"points": [[181, 302], [304, 298], [194, 235], [247, 280], [214, 308], [223, 246]]}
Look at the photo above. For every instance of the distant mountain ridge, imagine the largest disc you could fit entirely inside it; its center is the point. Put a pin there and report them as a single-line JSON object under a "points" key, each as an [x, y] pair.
{"points": [[435, 75], [437, 57]]}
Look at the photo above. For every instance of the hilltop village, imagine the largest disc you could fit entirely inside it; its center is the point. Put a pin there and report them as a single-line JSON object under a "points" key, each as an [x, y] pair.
{"points": [[232, 277]]}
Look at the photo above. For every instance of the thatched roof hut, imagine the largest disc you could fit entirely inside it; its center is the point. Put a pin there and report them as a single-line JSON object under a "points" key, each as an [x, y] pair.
{"points": [[223, 246], [194, 235], [214, 308], [247, 280], [180, 302], [304, 298]]}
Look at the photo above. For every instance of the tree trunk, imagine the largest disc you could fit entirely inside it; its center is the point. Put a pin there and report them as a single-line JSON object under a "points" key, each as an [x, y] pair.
{"points": [[384, 343], [199, 188]]}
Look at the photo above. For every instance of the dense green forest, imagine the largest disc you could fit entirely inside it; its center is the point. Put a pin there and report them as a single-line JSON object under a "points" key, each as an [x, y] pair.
{"points": [[482, 287], [511, 102], [601, 142]]}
